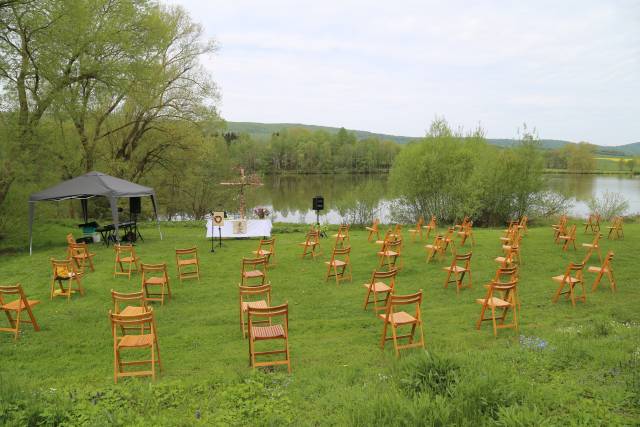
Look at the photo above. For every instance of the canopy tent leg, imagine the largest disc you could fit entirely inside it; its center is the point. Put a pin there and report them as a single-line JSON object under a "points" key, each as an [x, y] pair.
{"points": [[155, 213], [32, 208], [113, 201], [85, 209]]}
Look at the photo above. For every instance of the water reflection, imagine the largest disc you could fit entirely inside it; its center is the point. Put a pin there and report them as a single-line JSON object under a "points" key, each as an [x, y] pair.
{"points": [[349, 197]]}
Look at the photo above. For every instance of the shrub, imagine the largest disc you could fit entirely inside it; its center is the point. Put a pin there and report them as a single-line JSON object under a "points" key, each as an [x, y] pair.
{"points": [[609, 205], [429, 373]]}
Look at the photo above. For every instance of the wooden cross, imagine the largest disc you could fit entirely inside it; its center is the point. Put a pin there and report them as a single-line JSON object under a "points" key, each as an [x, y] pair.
{"points": [[251, 180]]}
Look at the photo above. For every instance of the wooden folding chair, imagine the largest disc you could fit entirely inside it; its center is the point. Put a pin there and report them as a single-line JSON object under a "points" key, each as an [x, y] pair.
{"points": [[415, 232], [81, 255], [275, 331], [253, 269], [188, 264], [568, 238], [593, 224], [339, 265], [311, 245], [373, 230], [10, 306], [506, 299], [267, 248], [459, 269], [432, 226], [559, 228], [65, 271], [449, 242], [342, 235], [378, 286], [435, 248], [571, 278], [125, 256], [594, 246], [466, 232], [390, 254], [255, 297], [155, 276], [146, 338], [615, 230], [523, 224], [462, 225], [397, 319], [604, 269]]}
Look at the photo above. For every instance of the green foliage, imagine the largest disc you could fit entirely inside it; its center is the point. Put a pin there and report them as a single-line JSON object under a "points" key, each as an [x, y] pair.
{"points": [[447, 175], [610, 204]]}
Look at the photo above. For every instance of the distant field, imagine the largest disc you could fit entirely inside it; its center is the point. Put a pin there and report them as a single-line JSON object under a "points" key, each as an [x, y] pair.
{"points": [[611, 164]]}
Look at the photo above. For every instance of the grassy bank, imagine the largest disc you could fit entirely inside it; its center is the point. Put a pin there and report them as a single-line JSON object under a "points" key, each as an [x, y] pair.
{"points": [[567, 365]]}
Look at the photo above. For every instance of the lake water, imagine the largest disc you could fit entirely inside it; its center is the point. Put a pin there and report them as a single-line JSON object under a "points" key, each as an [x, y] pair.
{"points": [[289, 197]]}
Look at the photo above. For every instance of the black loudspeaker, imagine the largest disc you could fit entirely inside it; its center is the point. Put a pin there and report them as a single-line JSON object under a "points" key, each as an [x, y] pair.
{"points": [[134, 205], [318, 203]]}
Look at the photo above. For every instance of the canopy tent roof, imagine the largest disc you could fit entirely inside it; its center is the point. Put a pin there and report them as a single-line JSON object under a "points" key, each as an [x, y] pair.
{"points": [[90, 185]]}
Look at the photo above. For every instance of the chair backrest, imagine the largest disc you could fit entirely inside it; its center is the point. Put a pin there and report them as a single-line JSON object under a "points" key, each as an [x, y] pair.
{"points": [[420, 222], [375, 223], [508, 288], [341, 253], [118, 298], [267, 245], [63, 268], [393, 245], [313, 236], [462, 259], [511, 273], [438, 242], [607, 260], [11, 290], [154, 270], [70, 239], [249, 292], [258, 262], [268, 313], [432, 222], [449, 235], [343, 229], [401, 300], [187, 253], [123, 250], [397, 229], [571, 232], [378, 276], [574, 270], [78, 248], [523, 221], [136, 322]]}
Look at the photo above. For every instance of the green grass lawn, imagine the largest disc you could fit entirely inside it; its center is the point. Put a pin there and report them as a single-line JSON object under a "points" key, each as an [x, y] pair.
{"points": [[566, 366]]}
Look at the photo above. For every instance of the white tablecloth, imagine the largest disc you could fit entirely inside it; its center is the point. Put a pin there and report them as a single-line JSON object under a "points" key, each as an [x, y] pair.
{"points": [[255, 228]]}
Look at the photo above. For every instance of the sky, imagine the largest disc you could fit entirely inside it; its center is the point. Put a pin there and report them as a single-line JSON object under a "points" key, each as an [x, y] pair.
{"points": [[569, 69]]}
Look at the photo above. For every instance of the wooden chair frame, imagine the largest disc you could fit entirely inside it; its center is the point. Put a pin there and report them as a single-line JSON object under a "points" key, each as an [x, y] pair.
{"points": [[125, 255], [604, 269], [508, 300], [17, 306], [80, 254], [373, 230], [573, 276], [248, 295], [278, 331], [136, 298], [466, 232], [432, 226], [568, 237], [188, 264], [523, 224], [593, 224], [415, 232], [145, 324], [396, 319], [459, 272], [435, 248], [378, 286], [253, 268], [342, 235], [449, 242], [594, 246], [311, 245], [65, 271], [339, 265], [389, 255], [615, 229], [267, 248], [154, 276]]}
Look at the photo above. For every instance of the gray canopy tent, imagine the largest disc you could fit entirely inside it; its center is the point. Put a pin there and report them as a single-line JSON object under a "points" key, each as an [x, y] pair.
{"points": [[90, 185]]}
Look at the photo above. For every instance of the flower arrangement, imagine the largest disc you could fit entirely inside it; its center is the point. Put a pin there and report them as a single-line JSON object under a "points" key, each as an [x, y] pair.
{"points": [[261, 212]]}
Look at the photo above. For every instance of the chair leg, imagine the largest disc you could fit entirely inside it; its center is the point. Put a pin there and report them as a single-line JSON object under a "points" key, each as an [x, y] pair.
{"points": [[597, 281], [493, 320], [394, 334], [384, 334], [481, 318], [558, 293]]}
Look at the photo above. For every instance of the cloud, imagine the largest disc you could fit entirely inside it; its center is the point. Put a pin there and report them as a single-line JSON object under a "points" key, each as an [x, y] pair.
{"points": [[569, 68]]}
